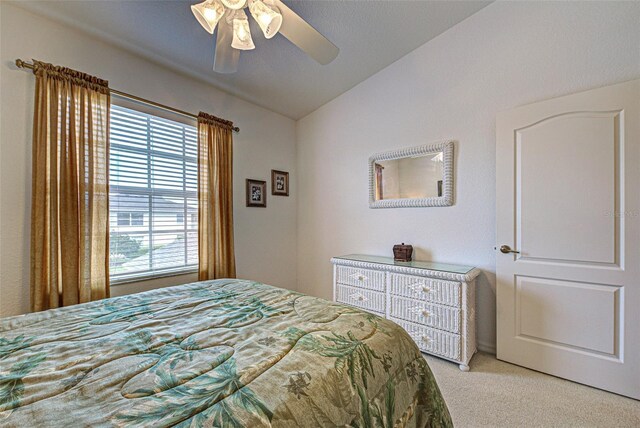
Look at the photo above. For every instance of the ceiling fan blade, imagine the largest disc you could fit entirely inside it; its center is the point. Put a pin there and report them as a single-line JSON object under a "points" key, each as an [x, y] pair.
{"points": [[226, 57], [307, 38]]}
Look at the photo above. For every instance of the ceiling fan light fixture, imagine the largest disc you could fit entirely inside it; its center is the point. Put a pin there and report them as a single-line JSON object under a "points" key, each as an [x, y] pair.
{"points": [[267, 15], [208, 13], [234, 4], [241, 32]]}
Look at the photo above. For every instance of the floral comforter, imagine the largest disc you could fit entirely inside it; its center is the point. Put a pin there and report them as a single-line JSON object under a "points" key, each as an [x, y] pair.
{"points": [[224, 353]]}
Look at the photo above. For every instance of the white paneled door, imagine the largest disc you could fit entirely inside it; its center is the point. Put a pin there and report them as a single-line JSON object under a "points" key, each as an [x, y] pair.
{"points": [[568, 235]]}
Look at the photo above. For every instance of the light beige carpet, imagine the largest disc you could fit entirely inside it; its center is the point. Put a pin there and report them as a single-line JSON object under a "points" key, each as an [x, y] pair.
{"points": [[498, 394]]}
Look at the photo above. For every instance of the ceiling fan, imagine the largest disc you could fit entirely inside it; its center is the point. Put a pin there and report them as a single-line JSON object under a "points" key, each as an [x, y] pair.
{"points": [[272, 16]]}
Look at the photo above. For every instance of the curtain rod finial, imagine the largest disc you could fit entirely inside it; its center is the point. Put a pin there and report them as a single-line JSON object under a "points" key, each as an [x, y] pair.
{"points": [[20, 63]]}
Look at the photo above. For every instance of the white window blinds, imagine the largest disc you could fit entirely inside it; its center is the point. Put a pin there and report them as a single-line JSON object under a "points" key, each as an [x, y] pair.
{"points": [[153, 202]]}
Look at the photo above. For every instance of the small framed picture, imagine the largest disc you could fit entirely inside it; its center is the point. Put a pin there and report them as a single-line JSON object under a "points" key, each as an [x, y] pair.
{"points": [[256, 193], [279, 183]]}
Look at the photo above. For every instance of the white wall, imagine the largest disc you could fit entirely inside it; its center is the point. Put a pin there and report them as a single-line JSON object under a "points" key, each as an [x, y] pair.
{"points": [[266, 141], [506, 55]]}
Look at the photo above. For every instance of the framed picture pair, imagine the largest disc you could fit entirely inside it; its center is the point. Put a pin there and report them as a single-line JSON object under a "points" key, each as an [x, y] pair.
{"points": [[257, 189]]}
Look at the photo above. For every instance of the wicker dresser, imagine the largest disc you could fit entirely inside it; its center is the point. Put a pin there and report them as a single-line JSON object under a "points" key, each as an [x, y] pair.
{"points": [[433, 302]]}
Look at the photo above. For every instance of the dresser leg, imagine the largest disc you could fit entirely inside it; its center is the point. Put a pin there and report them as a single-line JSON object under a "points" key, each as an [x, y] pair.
{"points": [[464, 367]]}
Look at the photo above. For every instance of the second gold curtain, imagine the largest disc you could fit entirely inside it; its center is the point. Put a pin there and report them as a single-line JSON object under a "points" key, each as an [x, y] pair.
{"points": [[216, 253]]}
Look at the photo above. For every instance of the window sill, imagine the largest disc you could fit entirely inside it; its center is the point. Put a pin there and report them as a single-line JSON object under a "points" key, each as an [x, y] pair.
{"points": [[128, 279]]}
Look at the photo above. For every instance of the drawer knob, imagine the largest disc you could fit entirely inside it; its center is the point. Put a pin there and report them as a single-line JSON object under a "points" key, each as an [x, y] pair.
{"points": [[426, 290], [426, 339], [358, 276], [358, 296], [426, 314]]}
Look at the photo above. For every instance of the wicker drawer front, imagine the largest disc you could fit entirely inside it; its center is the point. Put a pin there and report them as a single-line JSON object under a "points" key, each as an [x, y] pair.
{"points": [[429, 314], [364, 278], [432, 290], [432, 341], [371, 301]]}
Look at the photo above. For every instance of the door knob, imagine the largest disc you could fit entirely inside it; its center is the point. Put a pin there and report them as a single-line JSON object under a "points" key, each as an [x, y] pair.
{"points": [[507, 249]]}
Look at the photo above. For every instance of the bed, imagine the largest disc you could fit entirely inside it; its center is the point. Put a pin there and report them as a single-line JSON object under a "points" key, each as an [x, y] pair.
{"points": [[223, 353]]}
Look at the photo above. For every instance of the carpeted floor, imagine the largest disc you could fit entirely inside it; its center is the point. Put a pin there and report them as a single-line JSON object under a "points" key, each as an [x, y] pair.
{"points": [[498, 394]]}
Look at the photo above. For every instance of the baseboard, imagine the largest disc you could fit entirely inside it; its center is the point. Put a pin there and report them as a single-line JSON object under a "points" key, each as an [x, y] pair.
{"points": [[489, 348]]}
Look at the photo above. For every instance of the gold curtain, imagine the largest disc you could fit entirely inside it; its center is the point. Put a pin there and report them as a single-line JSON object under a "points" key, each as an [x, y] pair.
{"points": [[216, 257], [70, 189]]}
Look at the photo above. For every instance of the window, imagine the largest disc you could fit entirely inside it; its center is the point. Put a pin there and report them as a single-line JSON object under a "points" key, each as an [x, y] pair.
{"points": [[137, 219], [153, 179], [124, 219], [130, 219]]}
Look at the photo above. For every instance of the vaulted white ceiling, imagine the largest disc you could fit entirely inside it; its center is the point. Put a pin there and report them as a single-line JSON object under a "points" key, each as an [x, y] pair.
{"points": [[276, 75]]}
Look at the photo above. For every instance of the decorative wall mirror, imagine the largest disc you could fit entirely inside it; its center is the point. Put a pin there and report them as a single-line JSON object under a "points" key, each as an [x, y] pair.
{"points": [[416, 177]]}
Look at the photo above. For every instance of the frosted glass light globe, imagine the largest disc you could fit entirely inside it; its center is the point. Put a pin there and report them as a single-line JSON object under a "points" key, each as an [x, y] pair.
{"points": [[241, 33], [267, 16], [208, 13], [234, 4]]}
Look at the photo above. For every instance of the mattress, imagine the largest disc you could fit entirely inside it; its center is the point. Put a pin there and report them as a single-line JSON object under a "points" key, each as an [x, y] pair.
{"points": [[223, 353]]}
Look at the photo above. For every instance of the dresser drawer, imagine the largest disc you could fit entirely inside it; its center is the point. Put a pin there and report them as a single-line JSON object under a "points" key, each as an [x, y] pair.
{"points": [[431, 340], [372, 301], [364, 278], [421, 288], [429, 314]]}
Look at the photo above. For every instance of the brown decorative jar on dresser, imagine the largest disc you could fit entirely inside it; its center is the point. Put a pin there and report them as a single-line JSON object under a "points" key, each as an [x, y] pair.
{"points": [[402, 253]]}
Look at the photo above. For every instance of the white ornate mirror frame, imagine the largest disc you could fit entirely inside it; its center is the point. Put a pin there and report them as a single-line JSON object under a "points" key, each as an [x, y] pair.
{"points": [[446, 147]]}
